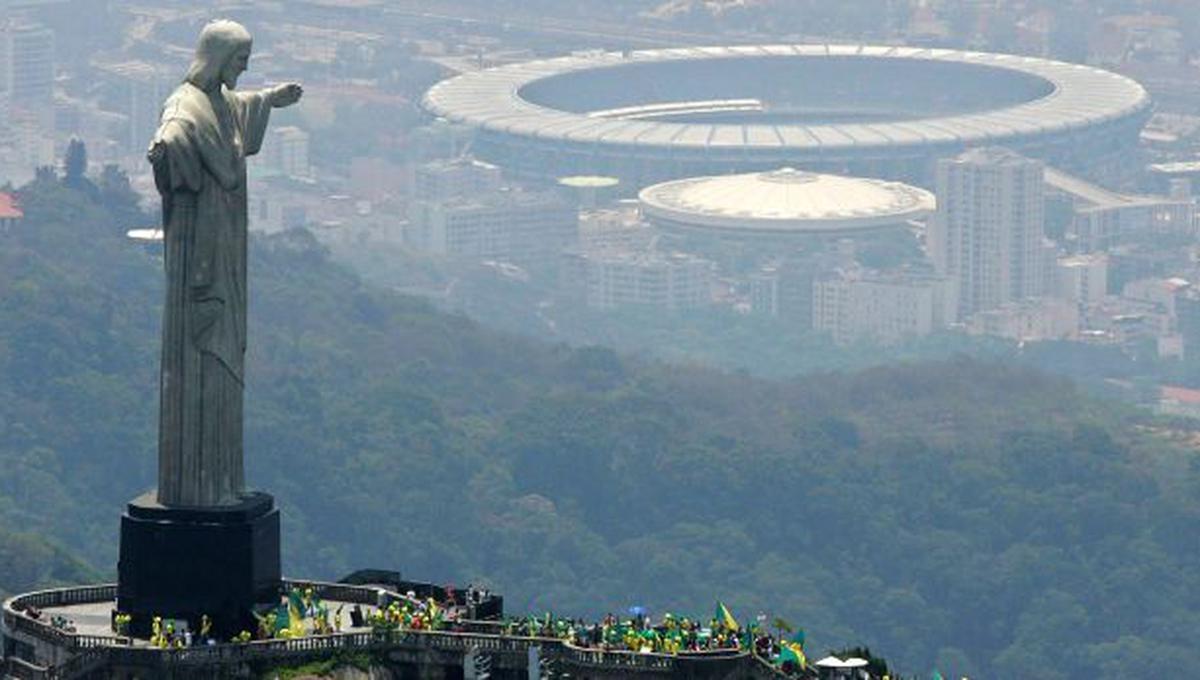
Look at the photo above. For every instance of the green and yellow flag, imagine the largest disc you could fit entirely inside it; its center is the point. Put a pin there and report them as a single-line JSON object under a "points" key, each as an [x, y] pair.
{"points": [[725, 618], [790, 651], [295, 612]]}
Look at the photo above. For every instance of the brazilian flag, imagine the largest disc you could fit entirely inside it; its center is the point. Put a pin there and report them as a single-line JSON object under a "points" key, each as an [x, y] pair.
{"points": [[790, 651], [725, 618]]}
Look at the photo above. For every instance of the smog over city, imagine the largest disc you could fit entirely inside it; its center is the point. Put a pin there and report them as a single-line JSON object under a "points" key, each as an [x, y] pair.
{"points": [[844, 340]]}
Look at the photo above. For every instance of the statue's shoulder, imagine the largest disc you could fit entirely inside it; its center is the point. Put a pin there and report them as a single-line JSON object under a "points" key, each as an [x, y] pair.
{"points": [[187, 103]]}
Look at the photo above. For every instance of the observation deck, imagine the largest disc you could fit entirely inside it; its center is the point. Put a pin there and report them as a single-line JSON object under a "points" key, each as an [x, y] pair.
{"points": [[36, 650]]}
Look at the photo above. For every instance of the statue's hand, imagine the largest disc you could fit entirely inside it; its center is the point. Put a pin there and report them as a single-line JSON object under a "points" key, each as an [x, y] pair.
{"points": [[157, 152], [286, 95]]}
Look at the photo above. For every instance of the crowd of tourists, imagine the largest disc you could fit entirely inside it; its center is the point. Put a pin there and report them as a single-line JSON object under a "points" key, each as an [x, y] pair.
{"points": [[671, 634], [411, 613], [302, 613]]}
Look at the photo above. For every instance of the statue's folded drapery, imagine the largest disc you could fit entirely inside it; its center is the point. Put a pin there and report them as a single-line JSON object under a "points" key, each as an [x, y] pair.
{"points": [[206, 136]]}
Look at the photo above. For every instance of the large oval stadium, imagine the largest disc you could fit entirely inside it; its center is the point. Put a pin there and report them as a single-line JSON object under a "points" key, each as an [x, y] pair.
{"points": [[867, 110]]}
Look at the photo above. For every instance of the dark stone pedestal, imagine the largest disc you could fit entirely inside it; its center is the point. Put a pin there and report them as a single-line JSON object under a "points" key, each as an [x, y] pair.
{"points": [[183, 562]]}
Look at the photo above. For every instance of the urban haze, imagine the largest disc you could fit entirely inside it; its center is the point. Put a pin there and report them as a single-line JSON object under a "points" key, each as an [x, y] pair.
{"points": [[871, 324]]}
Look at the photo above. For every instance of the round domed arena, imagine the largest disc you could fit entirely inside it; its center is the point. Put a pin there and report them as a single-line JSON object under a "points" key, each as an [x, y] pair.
{"points": [[781, 204], [879, 111]]}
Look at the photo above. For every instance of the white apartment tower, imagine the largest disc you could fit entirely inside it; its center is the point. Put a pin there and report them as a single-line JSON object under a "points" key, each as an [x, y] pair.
{"points": [[988, 232]]}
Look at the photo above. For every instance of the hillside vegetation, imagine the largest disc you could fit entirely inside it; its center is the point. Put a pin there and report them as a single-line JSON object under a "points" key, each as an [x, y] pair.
{"points": [[977, 517]]}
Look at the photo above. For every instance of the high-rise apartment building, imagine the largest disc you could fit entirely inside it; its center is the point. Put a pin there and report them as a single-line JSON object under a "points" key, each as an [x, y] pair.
{"points": [[988, 231], [27, 64]]}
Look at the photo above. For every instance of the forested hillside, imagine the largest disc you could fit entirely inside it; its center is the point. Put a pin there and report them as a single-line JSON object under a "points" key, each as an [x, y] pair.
{"points": [[981, 518]]}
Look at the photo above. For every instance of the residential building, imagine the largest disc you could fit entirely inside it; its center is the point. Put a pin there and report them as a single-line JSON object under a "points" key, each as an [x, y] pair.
{"points": [[1028, 319], [458, 178], [528, 228], [861, 304], [614, 229], [27, 64], [784, 289], [1082, 279], [650, 279], [987, 233], [763, 289], [289, 150]]}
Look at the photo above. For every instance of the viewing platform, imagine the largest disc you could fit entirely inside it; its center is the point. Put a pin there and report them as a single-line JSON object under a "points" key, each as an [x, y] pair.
{"points": [[34, 649]]}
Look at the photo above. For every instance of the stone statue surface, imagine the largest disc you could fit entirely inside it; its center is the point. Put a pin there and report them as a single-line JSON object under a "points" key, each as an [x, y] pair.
{"points": [[206, 131]]}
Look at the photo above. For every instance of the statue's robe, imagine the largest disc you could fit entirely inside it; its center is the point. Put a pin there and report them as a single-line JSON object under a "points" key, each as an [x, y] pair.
{"points": [[202, 181]]}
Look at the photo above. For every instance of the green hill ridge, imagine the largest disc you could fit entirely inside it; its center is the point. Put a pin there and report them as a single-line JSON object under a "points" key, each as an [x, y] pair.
{"points": [[982, 518]]}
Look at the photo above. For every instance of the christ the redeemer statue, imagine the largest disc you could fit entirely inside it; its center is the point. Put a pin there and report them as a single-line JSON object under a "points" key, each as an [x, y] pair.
{"points": [[199, 157]]}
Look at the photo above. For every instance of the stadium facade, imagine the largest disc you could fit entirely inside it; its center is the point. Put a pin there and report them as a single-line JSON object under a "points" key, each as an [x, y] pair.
{"points": [[880, 111]]}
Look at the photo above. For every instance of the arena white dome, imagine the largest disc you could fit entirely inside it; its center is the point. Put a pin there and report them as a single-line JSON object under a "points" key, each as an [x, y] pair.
{"points": [[782, 202]]}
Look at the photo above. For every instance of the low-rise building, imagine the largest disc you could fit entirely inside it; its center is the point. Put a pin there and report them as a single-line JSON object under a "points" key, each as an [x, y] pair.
{"points": [[1028, 320], [614, 279], [1140, 327], [1082, 279], [614, 229], [860, 304], [528, 228], [444, 180]]}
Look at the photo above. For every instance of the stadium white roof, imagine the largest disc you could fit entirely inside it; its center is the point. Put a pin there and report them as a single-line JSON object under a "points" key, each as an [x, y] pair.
{"points": [[1081, 96], [785, 201]]}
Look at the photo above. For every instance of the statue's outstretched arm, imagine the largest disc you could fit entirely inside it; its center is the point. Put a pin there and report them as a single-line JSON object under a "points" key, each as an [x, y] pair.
{"points": [[285, 94]]}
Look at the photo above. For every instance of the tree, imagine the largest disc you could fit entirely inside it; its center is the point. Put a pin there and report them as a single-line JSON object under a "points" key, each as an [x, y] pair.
{"points": [[75, 163], [118, 197]]}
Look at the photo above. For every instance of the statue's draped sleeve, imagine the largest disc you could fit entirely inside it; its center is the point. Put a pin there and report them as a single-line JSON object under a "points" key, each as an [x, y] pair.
{"points": [[254, 112]]}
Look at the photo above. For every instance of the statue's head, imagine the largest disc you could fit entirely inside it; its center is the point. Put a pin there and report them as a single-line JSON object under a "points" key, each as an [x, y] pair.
{"points": [[221, 55]]}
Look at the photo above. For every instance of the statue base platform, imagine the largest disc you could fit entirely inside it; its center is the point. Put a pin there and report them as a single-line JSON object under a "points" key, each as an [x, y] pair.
{"points": [[184, 562]]}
